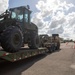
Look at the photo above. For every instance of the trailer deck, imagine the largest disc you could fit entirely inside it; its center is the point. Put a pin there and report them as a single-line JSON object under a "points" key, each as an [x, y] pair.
{"points": [[22, 54]]}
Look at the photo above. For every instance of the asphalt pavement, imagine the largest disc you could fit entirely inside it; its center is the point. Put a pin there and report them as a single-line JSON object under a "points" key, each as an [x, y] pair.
{"points": [[58, 63]]}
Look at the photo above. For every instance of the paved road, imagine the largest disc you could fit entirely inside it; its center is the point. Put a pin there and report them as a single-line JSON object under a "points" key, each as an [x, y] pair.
{"points": [[57, 63]]}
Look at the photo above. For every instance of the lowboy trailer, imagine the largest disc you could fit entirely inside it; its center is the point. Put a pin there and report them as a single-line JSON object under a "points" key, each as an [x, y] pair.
{"points": [[21, 54]]}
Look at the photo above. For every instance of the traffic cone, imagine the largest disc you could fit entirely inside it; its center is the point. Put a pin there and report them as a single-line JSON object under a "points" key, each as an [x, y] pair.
{"points": [[74, 47], [67, 43]]}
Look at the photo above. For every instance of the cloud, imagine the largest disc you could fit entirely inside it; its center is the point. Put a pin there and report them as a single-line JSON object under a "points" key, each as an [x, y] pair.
{"points": [[60, 19], [3, 5], [58, 30], [70, 18]]}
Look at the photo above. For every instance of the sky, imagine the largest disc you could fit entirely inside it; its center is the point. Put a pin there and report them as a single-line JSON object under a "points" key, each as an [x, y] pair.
{"points": [[51, 16]]}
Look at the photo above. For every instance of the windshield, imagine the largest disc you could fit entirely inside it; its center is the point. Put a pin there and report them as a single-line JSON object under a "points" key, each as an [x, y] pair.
{"points": [[17, 14]]}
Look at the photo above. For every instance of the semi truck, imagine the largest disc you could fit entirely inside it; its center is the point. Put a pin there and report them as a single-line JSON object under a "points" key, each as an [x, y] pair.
{"points": [[52, 43]]}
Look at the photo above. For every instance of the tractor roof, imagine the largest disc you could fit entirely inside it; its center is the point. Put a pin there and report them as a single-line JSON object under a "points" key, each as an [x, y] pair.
{"points": [[22, 7]]}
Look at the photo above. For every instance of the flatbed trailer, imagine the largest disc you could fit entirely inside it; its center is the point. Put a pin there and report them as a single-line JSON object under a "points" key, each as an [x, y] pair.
{"points": [[22, 54]]}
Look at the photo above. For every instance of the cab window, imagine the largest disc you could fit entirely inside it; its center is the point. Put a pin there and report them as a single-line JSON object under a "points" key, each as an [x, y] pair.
{"points": [[26, 16], [17, 14]]}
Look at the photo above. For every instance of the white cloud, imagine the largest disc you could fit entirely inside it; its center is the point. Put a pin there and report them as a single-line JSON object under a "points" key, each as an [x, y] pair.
{"points": [[70, 18], [58, 30], [60, 21], [3, 5]]}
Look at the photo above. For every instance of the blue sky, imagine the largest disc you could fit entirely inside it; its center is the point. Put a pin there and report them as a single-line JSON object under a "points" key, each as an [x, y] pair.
{"points": [[16, 3], [32, 3]]}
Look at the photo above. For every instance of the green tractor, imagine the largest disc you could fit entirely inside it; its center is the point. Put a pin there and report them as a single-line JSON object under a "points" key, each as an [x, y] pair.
{"points": [[16, 29]]}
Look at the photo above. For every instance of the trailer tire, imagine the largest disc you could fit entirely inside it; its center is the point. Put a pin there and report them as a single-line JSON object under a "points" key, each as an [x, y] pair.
{"points": [[53, 47], [58, 46], [11, 39]]}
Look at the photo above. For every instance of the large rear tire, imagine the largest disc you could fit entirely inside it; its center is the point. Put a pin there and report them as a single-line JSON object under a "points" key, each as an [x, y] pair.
{"points": [[11, 39]]}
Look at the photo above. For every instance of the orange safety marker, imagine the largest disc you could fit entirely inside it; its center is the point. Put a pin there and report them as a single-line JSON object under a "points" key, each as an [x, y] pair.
{"points": [[67, 43], [74, 46]]}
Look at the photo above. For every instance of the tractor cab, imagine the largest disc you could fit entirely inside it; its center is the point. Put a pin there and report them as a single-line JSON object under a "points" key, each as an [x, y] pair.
{"points": [[21, 14]]}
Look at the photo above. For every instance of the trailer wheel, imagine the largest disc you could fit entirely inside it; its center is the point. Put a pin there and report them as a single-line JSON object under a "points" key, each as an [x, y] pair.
{"points": [[34, 42], [11, 39], [58, 46], [52, 47]]}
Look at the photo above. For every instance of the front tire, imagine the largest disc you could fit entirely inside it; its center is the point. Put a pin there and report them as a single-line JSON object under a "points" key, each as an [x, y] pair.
{"points": [[34, 42], [11, 39]]}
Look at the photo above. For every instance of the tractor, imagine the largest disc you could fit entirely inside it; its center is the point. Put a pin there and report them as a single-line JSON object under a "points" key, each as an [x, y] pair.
{"points": [[16, 29]]}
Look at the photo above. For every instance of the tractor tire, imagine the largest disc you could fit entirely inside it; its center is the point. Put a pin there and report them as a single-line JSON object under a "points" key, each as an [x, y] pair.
{"points": [[11, 39], [34, 42]]}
